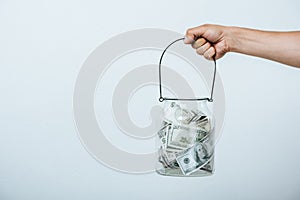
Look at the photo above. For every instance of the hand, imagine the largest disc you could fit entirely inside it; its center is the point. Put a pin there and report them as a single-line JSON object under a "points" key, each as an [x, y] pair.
{"points": [[214, 41], [208, 40]]}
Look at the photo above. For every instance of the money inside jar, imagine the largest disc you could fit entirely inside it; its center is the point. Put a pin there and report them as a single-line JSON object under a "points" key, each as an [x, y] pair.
{"points": [[185, 140]]}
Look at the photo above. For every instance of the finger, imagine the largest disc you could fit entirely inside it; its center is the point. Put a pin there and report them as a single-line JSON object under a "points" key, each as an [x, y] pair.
{"points": [[188, 40], [209, 53], [198, 43], [194, 33], [203, 48]]}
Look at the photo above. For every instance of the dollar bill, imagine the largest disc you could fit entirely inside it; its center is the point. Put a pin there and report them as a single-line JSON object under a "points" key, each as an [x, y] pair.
{"points": [[180, 137], [200, 135], [209, 166], [192, 159], [169, 112], [176, 114], [168, 159], [171, 154], [201, 121], [183, 116], [204, 125], [163, 131]]}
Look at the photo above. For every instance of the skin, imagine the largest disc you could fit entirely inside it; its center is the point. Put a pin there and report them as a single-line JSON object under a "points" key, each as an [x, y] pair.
{"points": [[214, 41]]}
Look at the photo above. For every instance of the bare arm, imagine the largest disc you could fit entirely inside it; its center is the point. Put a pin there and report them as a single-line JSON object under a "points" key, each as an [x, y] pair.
{"points": [[215, 40]]}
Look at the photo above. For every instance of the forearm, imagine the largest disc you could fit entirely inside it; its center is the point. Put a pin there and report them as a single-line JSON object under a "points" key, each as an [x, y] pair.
{"points": [[282, 47]]}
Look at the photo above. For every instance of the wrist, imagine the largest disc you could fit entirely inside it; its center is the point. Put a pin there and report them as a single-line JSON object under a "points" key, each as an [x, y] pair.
{"points": [[231, 35]]}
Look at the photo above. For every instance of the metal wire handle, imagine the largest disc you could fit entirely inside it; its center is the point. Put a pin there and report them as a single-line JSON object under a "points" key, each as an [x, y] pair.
{"points": [[161, 98]]}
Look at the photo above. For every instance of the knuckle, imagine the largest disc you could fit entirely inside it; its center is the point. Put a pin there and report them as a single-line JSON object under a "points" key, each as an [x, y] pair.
{"points": [[206, 25], [206, 46], [199, 51], [207, 55], [189, 31], [194, 45], [201, 41]]}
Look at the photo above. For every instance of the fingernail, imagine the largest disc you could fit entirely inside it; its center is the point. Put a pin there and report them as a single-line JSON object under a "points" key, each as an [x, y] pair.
{"points": [[188, 40]]}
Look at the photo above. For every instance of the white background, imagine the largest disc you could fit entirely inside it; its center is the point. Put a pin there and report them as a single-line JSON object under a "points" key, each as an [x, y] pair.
{"points": [[42, 47]]}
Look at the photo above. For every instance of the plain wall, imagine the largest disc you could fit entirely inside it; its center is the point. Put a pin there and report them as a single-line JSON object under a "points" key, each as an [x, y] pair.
{"points": [[42, 47]]}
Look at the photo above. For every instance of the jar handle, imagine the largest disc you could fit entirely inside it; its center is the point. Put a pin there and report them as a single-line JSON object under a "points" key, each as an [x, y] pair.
{"points": [[161, 98]]}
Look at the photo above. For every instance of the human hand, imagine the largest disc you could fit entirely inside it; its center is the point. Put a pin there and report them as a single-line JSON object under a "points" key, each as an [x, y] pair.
{"points": [[214, 41], [209, 40]]}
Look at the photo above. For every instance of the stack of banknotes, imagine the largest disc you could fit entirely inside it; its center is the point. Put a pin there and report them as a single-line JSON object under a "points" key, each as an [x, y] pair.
{"points": [[186, 140]]}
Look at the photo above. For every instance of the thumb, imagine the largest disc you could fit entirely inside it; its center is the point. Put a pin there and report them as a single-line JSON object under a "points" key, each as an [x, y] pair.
{"points": [[188, 39], [193, 33]]}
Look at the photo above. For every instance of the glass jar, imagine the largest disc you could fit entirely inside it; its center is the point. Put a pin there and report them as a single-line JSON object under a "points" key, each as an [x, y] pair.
{"points": [[185, 141]]}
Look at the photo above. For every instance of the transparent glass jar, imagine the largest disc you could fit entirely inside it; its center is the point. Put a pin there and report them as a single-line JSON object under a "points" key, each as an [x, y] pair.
{"points": [[185, 141]]}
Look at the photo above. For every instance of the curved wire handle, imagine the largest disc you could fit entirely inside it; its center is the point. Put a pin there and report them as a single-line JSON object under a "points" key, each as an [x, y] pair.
{"points": [[161, 98]]}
